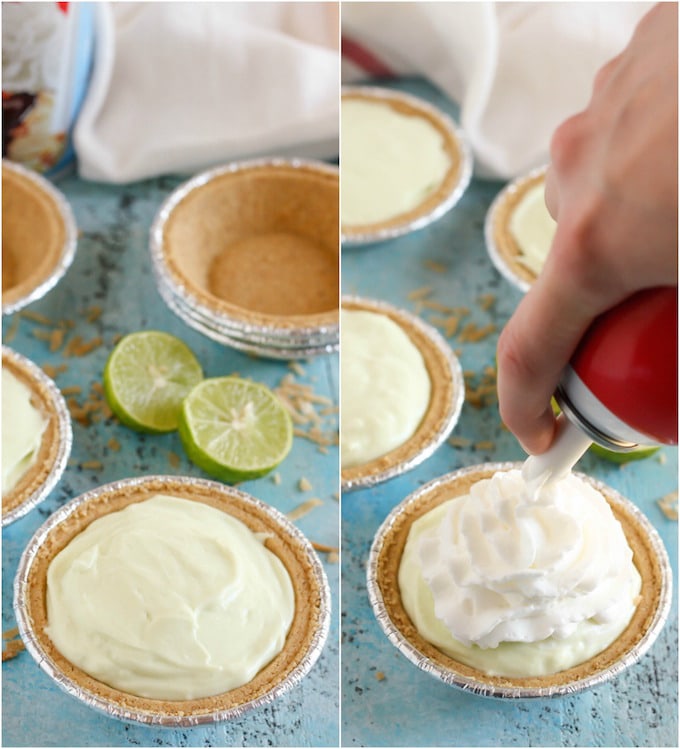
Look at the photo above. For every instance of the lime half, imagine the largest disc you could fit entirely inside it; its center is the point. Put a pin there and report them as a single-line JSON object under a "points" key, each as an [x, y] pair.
{"points": [[235, 429], [146, 378]]}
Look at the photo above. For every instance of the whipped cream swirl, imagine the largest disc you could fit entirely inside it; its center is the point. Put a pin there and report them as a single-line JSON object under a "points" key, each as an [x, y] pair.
{"points": [[505, 565]]}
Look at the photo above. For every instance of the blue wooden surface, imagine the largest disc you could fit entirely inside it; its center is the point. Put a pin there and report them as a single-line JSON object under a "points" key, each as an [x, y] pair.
{"points": [[407, 707], [112, 270]]}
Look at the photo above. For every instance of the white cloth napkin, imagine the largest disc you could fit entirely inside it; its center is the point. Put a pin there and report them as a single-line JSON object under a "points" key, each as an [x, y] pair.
{"points": [[517, 70], [178, 87]]}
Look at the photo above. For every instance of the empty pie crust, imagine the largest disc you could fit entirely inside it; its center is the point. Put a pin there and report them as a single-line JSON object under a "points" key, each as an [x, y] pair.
{"points": [[38, 236], [253, 248], [649, 557], [503, 248], [440, 200], [55, 445], [446, 399], [303, 643]]}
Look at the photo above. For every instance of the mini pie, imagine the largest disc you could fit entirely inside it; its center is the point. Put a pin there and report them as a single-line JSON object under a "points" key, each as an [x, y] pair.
{"points": [[38, 236], [55, 445], [438, 200], [303, 643], [254, 245], [386, 599], [446, 399], [503, 247]]}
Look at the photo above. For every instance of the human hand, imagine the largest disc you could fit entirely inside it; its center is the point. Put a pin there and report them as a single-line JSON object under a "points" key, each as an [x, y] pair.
{"points": [[613, 190]]}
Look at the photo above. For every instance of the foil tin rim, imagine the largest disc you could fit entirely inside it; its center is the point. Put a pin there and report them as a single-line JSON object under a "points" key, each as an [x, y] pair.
{"points": [[453, 678], [220, 320], [448, 201], [70, 238], [64, 429], [112, 709], [284, 338], [325, 335], [497, 258], [272, 349], [454, 406]]}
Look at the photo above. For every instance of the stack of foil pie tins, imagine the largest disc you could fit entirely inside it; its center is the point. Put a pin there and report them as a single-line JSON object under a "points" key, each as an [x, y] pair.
{"points": [[278, 337]]}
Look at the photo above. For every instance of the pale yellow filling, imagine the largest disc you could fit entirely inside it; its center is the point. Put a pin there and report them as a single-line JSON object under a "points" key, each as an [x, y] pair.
{"points": [[169, 599], [385, 386], [533, 228], [22, 428], [390, 162]]}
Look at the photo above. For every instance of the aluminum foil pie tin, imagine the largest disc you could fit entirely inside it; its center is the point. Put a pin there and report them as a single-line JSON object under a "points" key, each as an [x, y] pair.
{"points": [[450, 368], [68, 249], [454, 678], [294, 337], [177, 718], [247, 340], [394, 228], [63, 428], [508, 194]]}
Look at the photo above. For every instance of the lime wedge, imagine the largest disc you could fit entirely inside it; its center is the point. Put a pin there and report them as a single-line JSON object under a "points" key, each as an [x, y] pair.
{"points": [[639, 453], [146, 378], [234, 429]]}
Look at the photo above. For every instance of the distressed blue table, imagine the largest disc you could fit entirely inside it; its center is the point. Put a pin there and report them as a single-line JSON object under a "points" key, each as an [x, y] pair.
{"points": [[110, 291], [386, 701]]}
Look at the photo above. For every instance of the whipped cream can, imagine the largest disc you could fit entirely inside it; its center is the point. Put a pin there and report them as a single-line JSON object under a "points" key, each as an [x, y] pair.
{"points": [[47, 52], [621, 385]]}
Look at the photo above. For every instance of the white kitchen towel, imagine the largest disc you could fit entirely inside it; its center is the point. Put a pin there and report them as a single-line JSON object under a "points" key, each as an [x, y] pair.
{"points": [[178, 87], [517, 70]]}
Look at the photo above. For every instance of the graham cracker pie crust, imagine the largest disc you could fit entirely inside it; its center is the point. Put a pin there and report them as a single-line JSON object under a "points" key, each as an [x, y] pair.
{"points": [[260, 244], [506, 245], [33, 235], [309, 595], [50, 444], [403, 106], [443, 392], [644, 556]]}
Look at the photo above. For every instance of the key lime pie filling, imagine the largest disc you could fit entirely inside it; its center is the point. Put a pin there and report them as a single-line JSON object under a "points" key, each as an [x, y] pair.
{"points": [[533, 229], [169, 599], [515, 592], [402, 391], [172, 600], [23, 426], [385, 386], [520, 229], [399, 159], [36, 435]]}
